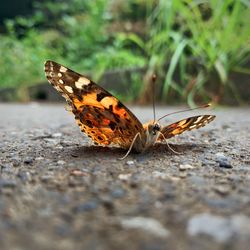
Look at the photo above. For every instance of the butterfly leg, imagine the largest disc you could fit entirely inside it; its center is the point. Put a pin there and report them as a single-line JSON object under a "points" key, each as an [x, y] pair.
{"points": [[131, 146], [169, 145]]}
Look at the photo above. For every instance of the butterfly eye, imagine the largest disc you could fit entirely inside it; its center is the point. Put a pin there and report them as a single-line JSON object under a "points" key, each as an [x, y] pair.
{"points": [[156, 127]]}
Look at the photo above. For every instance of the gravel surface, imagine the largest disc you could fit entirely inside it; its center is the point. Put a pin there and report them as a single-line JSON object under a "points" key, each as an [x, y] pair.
{"points": [[57, 191]]}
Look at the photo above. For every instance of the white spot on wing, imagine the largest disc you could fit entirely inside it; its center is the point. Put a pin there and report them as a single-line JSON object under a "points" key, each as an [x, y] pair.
{"points": [[81, 82], [197, 121], [107, 101], [79, 85], [59, 74], [69, 89], [63, 69], [57, 88], [61, 81], [193, 126]]}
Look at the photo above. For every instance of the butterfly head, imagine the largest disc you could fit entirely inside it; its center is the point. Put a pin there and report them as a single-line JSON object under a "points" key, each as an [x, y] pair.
{"points": [[152, 131], [154, 128]]}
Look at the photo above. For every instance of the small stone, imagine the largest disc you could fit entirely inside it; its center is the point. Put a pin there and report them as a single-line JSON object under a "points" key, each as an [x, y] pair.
{"points": [[225, 164], [158, 174], [61, 162], [197, 180], [223, 160], [118, 193], [16, 161], [220, 228], [46, 178], [184, 167], [223, 203], [240, 224], [107, 202], [53, 167], [86, 207], [51, 140], [206, 162], [78, 172], [183, 175], [56, 135], [149, 225], [215, 226], [130, 163], [220, 156], [39, 158], [6, 168], [124, 177], [28, 160], [223, 190], [66, 143], [25, 176], [5, 183], [174, 178]]}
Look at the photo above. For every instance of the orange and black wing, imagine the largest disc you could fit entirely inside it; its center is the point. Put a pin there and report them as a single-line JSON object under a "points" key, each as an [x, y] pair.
{"points": [[98, 113], [185, 125]]}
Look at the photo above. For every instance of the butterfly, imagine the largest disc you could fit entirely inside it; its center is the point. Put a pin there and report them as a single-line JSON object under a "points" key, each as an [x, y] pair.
{"points": [[104, 119]]}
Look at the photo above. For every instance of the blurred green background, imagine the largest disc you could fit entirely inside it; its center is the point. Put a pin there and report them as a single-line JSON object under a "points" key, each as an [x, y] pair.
{"points": [[199, 50]]}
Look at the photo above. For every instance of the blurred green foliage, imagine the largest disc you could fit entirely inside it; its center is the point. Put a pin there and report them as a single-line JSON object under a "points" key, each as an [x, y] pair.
{"points": [[186, 43]]}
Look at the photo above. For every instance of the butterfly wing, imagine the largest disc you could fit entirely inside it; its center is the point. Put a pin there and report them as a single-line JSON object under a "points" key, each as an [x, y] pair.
{"points": [[185, 125], [98, 113]]}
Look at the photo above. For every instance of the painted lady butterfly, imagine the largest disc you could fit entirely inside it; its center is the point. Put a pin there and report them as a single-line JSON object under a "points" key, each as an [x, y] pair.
{"points": [[105, 119]]}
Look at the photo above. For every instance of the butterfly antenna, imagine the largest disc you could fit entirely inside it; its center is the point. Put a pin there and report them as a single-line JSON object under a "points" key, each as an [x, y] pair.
{"points": [[153, 82], [169, 145], [185, 110]]}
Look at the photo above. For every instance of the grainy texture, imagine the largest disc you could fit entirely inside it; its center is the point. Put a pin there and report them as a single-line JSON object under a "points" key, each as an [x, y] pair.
{"points": [[59, 192]]}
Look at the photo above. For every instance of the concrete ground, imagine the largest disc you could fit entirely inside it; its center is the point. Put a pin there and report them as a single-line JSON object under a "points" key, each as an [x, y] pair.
{"points": [[57, 191]]}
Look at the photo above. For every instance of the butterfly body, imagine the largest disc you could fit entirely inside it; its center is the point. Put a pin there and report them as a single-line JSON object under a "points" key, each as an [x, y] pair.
{"points": [[146, 138], [104, 119]]}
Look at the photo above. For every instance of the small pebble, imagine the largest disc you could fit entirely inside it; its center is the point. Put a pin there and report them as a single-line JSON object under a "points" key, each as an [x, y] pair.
{"points": [[56, 135], [223, 160], [39, 158], [124, 177], [198, 180], [222, 204], [25, 176], [78, 172], [5, 183], [16, 161], [107, 202], [184, 167], [158, 174], [28, 160], [86, 207], [118, 192], [223, 190], [51, 140], [221, 229], [46, 178], [61, 162], [215, 226], [149, 225], [225, 164], [130, 163]]}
